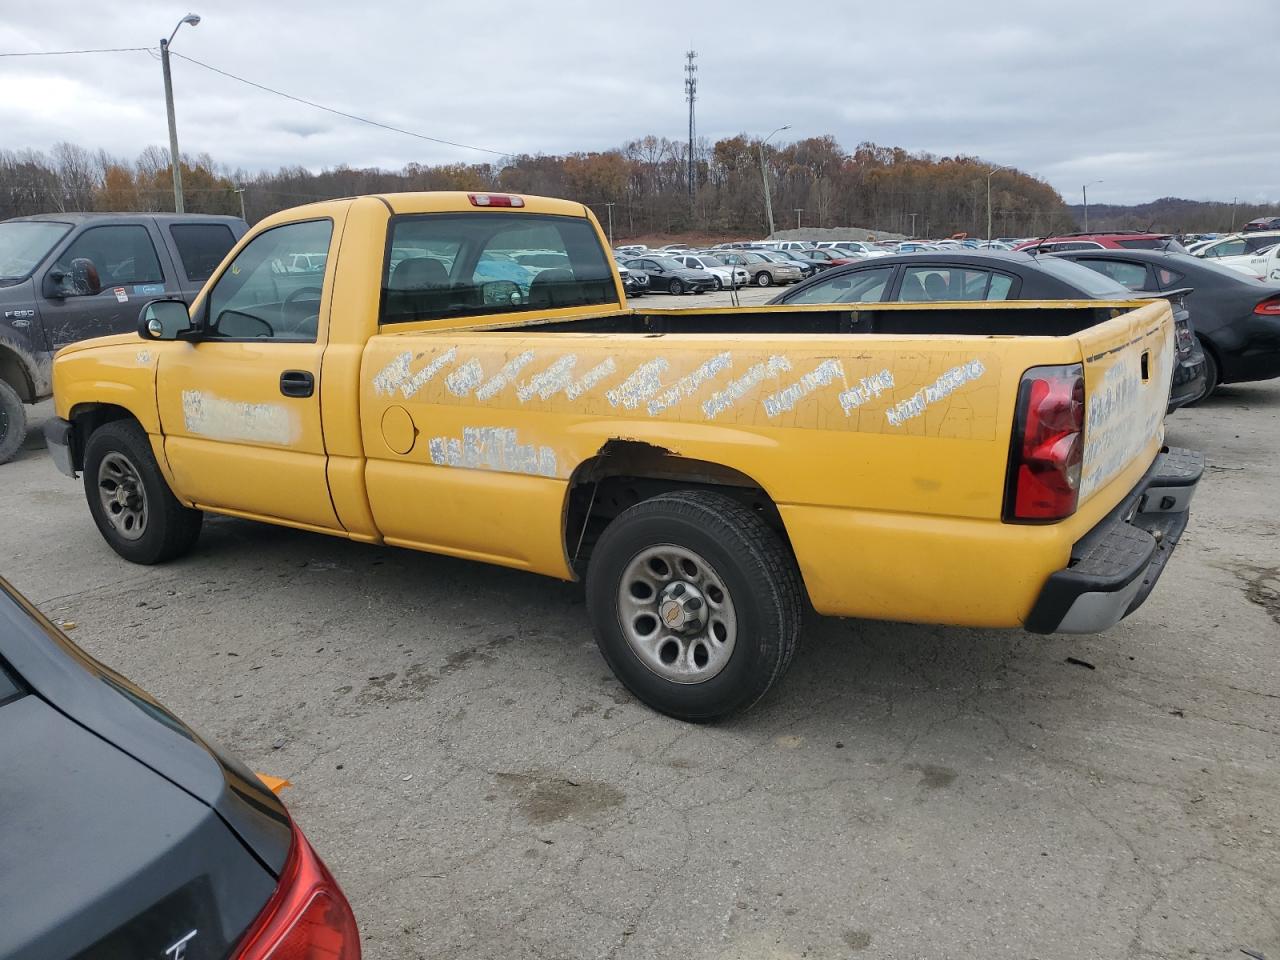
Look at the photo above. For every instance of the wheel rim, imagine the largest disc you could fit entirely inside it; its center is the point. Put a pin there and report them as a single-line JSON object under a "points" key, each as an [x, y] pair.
{"points": [[676, 287], [124, 499], [718, 283], [763, 280], [676, 614]]}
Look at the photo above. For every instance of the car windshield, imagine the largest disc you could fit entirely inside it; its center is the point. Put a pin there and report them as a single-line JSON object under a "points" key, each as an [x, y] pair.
{"points": [[711, 262], [1096, 285], [25, 243]]}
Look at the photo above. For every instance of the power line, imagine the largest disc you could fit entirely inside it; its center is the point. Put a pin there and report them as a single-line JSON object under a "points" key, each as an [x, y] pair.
{"points": [[340, 113], [67, 53]]}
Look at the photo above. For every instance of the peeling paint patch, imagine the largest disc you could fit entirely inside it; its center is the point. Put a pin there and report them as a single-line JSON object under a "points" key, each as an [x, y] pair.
{"points": [[510, 369], [606, 367], [395, 375], [868, 388], [492, 448], [465, 378], [940, 389], [550, 381], [644, 382], [687, 386], [722, 400], [228, 420], [144, 358], [820, 376]]}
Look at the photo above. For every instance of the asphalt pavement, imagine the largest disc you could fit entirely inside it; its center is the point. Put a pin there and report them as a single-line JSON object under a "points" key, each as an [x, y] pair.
{"points": [[483, 788]]}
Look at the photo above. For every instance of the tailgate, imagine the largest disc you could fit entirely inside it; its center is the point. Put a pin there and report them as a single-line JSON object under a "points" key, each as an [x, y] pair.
{"points": [[1128, 365]]}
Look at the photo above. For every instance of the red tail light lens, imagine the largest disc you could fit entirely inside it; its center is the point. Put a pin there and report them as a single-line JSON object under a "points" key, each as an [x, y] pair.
{"points": [[307, 918], [495, 200], [1268, 308], [1047, 450]]}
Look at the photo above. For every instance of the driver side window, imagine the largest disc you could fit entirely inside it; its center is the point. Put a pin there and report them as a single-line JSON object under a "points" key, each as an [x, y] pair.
{"points": [[271, 290]]}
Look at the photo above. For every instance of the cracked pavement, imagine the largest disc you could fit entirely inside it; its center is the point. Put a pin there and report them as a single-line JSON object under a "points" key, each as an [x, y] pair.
{"points": [[482, 787]]}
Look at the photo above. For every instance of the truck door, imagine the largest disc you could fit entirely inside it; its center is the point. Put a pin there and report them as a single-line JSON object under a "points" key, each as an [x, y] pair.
{"points": [[98, 282], [240, 407]]}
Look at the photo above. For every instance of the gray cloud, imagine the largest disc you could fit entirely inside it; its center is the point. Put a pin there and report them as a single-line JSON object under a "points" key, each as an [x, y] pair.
{"points": [[1070, 92]]}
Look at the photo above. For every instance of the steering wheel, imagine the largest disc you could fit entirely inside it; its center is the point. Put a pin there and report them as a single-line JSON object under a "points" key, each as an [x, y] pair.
{"points": [[302, 293]]}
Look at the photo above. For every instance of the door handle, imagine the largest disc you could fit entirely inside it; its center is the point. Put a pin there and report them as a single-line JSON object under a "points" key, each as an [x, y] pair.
{"points": [[297, 383]]}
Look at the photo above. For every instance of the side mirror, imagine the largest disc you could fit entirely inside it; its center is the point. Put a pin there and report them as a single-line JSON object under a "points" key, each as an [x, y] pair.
{"points": [[84, 278], [502, 293], [163, 320]]}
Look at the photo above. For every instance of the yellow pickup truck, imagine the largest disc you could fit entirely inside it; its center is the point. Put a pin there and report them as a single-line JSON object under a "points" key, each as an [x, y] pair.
{"points": [[460, 373]]}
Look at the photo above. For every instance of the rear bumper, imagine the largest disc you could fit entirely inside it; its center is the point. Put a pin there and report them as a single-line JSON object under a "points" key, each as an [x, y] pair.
{"points": [[58, 437], [1115, 565], [1188, 380]]}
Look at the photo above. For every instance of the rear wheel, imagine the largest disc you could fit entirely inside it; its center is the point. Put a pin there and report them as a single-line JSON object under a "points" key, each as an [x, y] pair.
{"points": [[762, 279], [696, 604], [136, 512], [13, 422], [675, 287], [1212, 375], [719, 284]]}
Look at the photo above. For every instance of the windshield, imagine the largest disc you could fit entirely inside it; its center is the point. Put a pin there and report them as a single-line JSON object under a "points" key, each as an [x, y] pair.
{"points": [[1096, 285], [25, 243], [712, 262]]}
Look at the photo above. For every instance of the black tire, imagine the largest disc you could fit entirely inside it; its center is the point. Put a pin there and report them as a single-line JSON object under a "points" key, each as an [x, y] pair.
{"points": [[13, 422], [762, 279], [170, 529], [719, 284], [761, 583], [675, 287], [1212, 375]]}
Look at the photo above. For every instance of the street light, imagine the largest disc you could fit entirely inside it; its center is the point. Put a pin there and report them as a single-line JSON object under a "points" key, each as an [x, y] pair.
{"points": [[989, 176], [764, 174], [609, 207], [175, 162], [1085, 190], [799, 210]]}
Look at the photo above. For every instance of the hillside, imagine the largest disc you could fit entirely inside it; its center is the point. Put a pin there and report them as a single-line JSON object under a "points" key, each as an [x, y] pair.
{"points": [[1171, 215]]}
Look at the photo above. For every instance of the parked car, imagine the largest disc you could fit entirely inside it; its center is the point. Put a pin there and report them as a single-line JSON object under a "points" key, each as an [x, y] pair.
{"points": [[1113, 240], [830, 257], [1236, 318], [634, 283], [674, 246], [71, 276], [856, 248], [1265, 264], [669, 275], [1262, 223], [796, 245], [991, 275], [795, 258], [724, 275], [712, 475], [764, 272], [126, 834], [1237, 245]]}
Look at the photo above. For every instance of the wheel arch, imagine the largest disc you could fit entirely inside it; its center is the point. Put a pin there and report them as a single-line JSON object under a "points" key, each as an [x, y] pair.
{"points": [[87, 417], [17, 368], [625, 472]]}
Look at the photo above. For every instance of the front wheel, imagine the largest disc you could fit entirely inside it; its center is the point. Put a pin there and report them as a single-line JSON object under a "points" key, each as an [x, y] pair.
{"points": [[719, 284], [13, 422], [136, 512], [763, 279], [696, 604], [675, 287]]}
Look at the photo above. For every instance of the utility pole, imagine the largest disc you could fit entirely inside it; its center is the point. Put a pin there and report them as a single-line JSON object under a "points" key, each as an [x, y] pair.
{"points": [[175, 160], [989, 176], [1231, 227], [799, 210], [1084, 190], [609, 207], [691, 95], [913, 223], [240, 190], [764, 173]]}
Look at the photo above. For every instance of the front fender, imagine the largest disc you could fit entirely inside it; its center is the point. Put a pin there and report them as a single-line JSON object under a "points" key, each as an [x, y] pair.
{"points": [[117, 371]]}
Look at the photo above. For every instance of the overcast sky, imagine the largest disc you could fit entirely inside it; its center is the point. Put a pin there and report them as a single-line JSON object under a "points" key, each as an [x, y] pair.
{"points": [[1154, 97]]}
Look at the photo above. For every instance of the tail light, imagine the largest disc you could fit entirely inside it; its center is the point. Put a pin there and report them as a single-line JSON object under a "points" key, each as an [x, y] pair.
{"points": [[495, 200], [1269, 307], [1047, 450], [307, 918]]}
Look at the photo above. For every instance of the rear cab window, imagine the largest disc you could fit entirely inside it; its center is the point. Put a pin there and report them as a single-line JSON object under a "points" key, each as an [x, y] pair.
{"points": [[201, 247], [456, 265]]}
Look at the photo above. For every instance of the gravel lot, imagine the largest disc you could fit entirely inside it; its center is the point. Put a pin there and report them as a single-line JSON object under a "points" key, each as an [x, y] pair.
{"points": [[483, 788]]}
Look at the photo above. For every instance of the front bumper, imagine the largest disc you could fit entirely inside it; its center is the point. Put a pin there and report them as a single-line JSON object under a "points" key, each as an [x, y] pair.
{"points": [[1115, 565], [58, 437]]}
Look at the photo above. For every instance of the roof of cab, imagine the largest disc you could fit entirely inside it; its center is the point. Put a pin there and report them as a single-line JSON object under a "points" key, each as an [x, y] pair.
{"points": [[89, 217], [459, 201]]}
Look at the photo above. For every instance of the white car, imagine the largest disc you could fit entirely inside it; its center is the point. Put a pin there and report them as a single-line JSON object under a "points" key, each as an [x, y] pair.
{"points": [[855, 247], [1237, 245], [725, 275], [1264, 264]]}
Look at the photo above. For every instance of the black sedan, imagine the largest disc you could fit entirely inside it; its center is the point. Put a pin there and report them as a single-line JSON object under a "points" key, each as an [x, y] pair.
{"points": [[671, 276], [126, 835], [1235, 316], [992, 275]]}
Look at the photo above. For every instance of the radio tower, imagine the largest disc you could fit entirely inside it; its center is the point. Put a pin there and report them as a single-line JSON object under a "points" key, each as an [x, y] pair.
{"points": [[691, 95]]}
